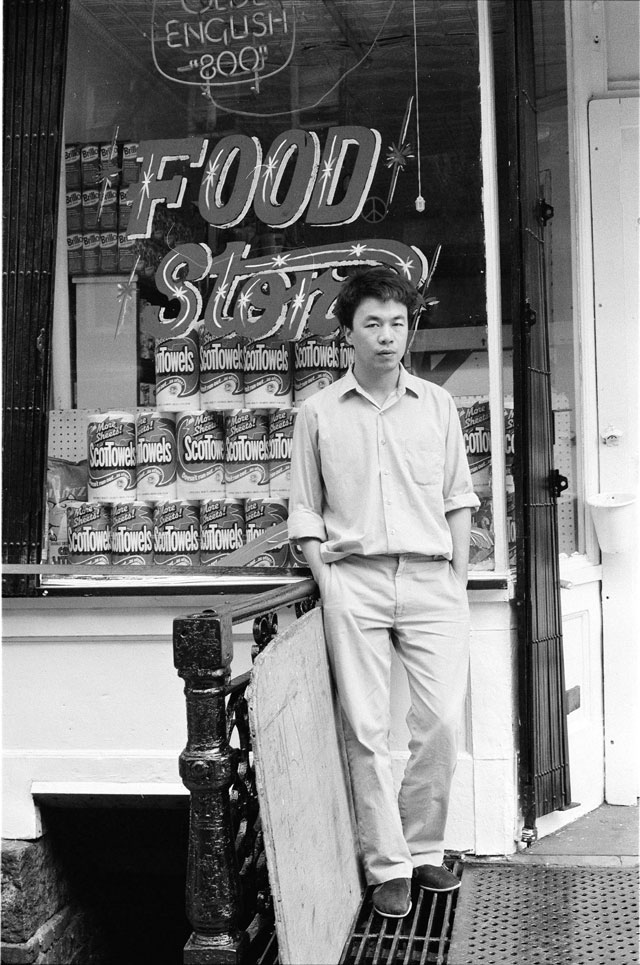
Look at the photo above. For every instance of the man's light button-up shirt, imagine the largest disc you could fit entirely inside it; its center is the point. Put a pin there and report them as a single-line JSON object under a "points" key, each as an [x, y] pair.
{"points": [[369, 479]]}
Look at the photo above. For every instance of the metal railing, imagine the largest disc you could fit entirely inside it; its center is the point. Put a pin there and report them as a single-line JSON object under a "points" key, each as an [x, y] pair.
{"points": [[227, 891]]}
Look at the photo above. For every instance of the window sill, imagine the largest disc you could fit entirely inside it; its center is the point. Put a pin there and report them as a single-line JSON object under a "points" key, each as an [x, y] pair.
{"points": [[578, 569]]}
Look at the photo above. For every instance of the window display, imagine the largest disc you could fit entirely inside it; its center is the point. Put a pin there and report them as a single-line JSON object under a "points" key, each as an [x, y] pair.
{"points": [[227, 164]]}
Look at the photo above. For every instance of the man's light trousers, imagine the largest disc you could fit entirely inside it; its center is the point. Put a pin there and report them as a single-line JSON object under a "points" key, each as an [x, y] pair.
{"points": [[419, 606]]}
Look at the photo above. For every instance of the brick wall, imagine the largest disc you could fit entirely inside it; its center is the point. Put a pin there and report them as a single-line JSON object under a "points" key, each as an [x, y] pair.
{"points": [[43, 919]]}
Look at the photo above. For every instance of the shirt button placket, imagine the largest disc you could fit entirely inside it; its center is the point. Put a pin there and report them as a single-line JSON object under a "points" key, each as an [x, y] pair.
{"points": [[384, 480]]}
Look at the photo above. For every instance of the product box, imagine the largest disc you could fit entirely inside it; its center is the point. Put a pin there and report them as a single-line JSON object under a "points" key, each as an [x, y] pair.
{"points": [[108, 252], [127, 253], [74, 210], [125, 203], [476, 430], [66, 485], [75, 257], [90, 165], [90, 208], [72, 172], [130, 164], [108, 209], [91, 252], [110, 163]]}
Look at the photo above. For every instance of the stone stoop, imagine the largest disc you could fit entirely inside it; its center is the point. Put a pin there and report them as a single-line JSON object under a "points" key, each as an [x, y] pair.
{"points": [[41, 922], [67, 937]]}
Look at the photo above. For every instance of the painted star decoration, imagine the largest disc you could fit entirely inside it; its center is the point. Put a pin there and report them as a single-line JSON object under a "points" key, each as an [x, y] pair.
{"points": [[397, 157], [126, 291]]}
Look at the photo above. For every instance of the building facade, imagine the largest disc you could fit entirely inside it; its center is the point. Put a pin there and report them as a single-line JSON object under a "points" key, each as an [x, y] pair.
{"points": [[206, 176]]}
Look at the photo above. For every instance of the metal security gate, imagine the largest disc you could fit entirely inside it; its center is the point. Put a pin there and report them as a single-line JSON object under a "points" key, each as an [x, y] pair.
{"points": [[34, 61], [543, 735]]}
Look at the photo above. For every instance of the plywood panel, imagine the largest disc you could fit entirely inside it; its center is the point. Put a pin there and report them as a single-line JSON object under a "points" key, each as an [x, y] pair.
{"points": [[304, 797]]}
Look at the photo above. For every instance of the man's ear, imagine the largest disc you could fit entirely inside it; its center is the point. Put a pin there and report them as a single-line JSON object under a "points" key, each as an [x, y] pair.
{"points": [[347, 334]]}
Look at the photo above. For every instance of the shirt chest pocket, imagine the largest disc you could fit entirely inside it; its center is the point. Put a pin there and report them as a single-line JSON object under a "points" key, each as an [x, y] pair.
{"points": [[425, 463]]}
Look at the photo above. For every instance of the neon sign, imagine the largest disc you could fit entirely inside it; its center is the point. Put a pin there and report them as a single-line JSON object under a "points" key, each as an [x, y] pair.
{"points": [[221, 43]]}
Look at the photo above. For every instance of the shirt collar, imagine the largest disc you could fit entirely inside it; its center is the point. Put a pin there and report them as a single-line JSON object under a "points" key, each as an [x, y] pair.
{"points": [[406, 383]]}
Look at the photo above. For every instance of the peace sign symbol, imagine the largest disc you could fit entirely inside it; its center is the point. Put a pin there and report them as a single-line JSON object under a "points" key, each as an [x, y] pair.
{"points": [[374, 210]]}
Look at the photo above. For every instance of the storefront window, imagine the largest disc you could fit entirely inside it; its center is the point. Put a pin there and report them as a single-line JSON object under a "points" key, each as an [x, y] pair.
{"points": [[228, 162]]}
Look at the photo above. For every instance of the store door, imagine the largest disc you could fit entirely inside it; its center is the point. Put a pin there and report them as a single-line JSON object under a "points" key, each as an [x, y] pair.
{"points": [[544, 758], [615, 176]]}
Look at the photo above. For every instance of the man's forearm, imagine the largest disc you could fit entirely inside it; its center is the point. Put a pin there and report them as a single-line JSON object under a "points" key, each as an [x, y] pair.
{"points": [[310, 546], [459, 521]]}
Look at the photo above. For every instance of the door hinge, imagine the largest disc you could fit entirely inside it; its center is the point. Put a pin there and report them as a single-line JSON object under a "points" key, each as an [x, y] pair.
{"points": [[557, 483], [530, 316], [544, 211]]}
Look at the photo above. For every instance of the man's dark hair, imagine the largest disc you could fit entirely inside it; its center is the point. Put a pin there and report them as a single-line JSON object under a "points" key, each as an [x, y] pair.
{"points": [[382, 283]]}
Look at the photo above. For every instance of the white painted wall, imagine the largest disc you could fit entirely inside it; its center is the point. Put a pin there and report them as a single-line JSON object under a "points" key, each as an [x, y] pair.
{"points": [[91, 699], [603, 51]]}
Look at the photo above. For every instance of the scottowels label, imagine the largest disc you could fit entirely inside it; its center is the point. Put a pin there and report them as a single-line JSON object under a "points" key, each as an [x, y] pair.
{"points": [[111, 457], [132, 534], [476, 431], [247, 453], [221, 372], [281, 423], [89, 533], [178, 372], [156, 456], [201, 451], [222, 528], [261, 515], [176, 533], [316, 364], [268, 374]]}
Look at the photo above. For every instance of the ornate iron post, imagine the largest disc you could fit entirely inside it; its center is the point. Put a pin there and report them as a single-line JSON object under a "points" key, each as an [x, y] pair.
{"points": [[203, 649]]}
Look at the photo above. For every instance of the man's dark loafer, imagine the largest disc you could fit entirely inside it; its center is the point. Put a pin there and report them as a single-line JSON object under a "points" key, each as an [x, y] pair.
{"points": [[434, 878], [392, 899]]}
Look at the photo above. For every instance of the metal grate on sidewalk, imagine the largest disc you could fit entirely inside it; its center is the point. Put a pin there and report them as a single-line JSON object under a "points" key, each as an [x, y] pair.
{"points": [[422, 938], [519, 914]]}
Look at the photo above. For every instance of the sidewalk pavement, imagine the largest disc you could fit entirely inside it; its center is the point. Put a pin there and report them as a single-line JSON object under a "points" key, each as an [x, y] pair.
{"points": [[606, 837], [569, 899]]}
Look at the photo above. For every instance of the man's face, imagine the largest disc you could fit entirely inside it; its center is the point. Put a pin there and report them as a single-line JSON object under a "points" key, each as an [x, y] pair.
{"points": [[379, 335]]}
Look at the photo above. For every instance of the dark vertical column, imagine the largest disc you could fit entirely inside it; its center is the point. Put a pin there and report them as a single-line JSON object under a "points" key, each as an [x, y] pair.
{"points": [[544, 754], [203, 650], [35, 41]]}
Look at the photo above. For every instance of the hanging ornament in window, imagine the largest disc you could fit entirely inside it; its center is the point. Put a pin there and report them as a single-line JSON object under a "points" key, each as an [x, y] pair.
{"points": [[398, 154], [108, 174], [126, 292], [420, 201]]}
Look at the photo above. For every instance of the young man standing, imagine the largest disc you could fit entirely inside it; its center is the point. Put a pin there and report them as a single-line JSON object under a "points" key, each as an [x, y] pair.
{"points": [[381, 500]]}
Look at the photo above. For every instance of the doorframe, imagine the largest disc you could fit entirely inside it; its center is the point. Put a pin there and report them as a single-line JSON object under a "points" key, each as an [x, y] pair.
{"points": [[588, 79]]}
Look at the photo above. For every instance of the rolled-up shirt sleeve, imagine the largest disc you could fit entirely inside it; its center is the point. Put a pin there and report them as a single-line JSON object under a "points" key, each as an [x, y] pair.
{"points": [[306, 497], [458, 486]]}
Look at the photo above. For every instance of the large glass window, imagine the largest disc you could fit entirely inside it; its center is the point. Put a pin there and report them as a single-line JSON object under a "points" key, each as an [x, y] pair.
{"points": [[227, 163]]}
